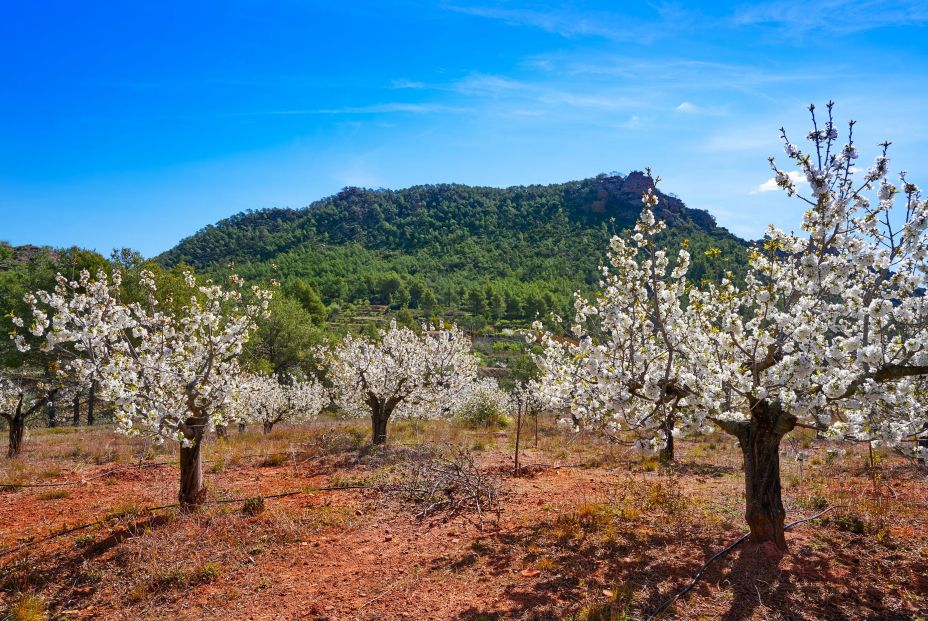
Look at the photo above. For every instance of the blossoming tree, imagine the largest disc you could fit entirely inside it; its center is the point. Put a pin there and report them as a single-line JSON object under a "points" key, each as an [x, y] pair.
{"points": [[829, 331], [265, 399], [624, 367], [401, 374], [831, 328], [168, 373], [19, 400]]}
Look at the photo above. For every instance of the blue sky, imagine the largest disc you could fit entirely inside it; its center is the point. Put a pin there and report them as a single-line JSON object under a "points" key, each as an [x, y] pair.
{"points": [[135, 124]]}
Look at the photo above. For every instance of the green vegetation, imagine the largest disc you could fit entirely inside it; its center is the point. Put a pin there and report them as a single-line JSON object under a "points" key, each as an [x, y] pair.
{"points": [[486, 255], [487, 258]]}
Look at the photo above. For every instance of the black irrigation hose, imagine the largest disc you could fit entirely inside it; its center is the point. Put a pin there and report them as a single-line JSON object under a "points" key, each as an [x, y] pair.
{"points": [[15, 486], [152, 464], [722, 553], [224, 501]]}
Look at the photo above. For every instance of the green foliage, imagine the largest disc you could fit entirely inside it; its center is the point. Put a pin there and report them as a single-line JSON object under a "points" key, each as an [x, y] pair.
{"points": [[428, 301], [481, 412], [848, 522], [253, 506], [285, 341], [308, 297], [516, 253], [24, 269]]}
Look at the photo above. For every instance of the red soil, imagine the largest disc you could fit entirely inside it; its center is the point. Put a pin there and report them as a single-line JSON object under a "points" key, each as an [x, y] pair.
{"points": [[569, 541]]}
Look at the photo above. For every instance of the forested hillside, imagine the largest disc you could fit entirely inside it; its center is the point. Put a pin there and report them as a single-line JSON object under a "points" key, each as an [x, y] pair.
{"points": [[499, 253], [25, 269]]}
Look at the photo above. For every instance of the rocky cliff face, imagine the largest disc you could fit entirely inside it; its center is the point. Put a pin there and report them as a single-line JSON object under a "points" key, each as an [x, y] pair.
{"points": [[620, 197], [10, 255]]}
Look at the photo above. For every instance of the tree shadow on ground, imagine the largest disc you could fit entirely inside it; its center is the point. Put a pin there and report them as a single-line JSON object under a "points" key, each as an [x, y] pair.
{"points": [[34, 571], [640, 567], [581, 567], [705, 470]]}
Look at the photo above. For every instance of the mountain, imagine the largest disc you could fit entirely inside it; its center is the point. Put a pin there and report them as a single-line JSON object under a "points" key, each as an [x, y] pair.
{"points": [[499, 252]]}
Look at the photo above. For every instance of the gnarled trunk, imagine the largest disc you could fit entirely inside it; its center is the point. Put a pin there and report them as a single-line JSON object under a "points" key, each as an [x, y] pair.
{"points": [[222, 431], [241, 427], [666, 453], [51, 412], [380, 416], [17, 430], [268, 426], [192, 491], [76, 409], [760, 440], [91, 402], [379, 428]]}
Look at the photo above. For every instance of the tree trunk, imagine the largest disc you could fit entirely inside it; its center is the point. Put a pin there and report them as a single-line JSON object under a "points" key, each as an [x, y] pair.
{"points": [[192, 491], [380, 415], [76, 410], [922, 443], [51, 412], [241, 427], [536, 430], [666, 454], [268, 427], [518, 437], [17, 429], [379, 428], [91, 402], [760, 446], [222, 431]]}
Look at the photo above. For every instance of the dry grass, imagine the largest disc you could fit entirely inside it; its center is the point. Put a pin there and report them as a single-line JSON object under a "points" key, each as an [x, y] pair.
{"points": [[28, 608], [605, 534]]}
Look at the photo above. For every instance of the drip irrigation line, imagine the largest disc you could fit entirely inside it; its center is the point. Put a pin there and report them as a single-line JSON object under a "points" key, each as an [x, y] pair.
{"points": [[722, 553], [153, 464], [222, 501], [81, 481]]}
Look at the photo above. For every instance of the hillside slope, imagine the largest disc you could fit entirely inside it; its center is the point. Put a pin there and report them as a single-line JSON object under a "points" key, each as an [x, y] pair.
{"points": [[504, 252]]}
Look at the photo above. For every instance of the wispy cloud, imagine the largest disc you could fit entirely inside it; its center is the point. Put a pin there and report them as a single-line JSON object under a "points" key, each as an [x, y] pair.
{"points": [[580, 99], [384, 108], [411, 84], [688, 107], [799, 17], [684, 72], [791, 18], [770, 185], [480, 84], [569, 23]]}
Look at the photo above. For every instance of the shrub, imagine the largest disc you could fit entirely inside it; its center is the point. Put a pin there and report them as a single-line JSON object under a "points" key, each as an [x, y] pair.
{"points": [[82, 541], [274, 460], [850, 523], [666, 497], [253, 506], [125, 508], [208, 572], [480, 412], [28, 608]]}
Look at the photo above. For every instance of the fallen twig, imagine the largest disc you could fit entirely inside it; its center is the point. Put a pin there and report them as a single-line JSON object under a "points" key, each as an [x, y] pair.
{"points": [[454, 484]]}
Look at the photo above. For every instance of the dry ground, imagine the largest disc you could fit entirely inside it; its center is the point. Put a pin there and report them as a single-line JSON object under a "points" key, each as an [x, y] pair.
{"points": [[590, 531]]}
